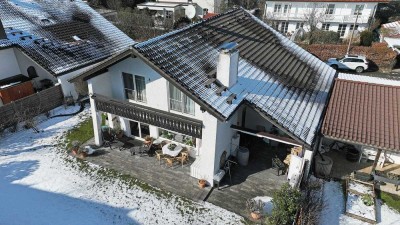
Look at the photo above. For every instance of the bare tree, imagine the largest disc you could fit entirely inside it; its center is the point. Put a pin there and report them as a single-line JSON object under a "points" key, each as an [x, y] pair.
{"points": [[314, 15], [142, 24], [27, 114], [312, 202]]}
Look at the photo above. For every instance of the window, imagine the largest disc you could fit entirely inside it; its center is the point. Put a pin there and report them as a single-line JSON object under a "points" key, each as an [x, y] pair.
{"points": [[352, 26], [286, 9], [342, 29], [298, 25], [180, 102], [139, 129], [135, 87], [284, 27], [358, 10], [181, 138], [277, 8], [32, 72], [329, 9], [325, 26]]}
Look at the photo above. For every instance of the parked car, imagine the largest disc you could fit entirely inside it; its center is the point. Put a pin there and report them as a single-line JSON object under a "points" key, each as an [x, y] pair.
{"points": [[349, 62]]}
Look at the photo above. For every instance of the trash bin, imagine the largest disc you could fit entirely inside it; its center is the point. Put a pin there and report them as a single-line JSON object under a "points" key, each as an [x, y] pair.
{"points": [[323, 166], [243, 156]]}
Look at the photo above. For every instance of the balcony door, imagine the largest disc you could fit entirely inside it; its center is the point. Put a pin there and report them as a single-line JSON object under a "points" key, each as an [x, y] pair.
{"points": [[139, 129]]}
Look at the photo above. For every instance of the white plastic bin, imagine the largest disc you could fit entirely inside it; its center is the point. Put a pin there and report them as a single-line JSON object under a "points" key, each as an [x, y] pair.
{"points": [[243, 156]]}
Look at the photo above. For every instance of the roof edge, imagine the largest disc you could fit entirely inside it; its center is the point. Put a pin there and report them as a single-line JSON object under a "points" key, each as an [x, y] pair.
{"points": [[360, 143], [114, 59]]}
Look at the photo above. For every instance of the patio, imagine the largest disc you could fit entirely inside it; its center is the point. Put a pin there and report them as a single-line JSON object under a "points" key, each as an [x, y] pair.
{"points": [[342, 168], [256, 179]]}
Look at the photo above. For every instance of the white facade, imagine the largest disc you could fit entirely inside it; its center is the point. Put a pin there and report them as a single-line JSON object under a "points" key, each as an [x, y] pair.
{"points": [[217, 134], [211, 6], [217, 137], [331, 16]]}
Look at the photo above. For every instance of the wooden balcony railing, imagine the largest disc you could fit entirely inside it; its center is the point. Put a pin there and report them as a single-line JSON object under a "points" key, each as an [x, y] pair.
{"points": [[159, 118]]}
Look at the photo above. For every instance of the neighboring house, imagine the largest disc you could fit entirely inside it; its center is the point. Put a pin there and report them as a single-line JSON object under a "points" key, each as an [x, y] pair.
{"points": [[364, 112], [177, 8], [222, 79], [49, 42], [390, 33], [341, 16]]}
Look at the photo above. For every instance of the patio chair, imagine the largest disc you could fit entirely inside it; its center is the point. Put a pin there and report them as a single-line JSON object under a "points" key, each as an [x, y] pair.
{"points": [[183, 158], [169, 161], [159, 155], [108, 138]]}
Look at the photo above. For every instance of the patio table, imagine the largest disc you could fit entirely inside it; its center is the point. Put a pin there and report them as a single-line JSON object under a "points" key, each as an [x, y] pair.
{"points": [[173, 152]]}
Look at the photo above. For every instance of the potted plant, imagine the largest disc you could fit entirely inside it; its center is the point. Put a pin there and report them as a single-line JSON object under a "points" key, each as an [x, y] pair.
{"points": [[255, 208], [118, 133], [202, 183], [75, 147]]}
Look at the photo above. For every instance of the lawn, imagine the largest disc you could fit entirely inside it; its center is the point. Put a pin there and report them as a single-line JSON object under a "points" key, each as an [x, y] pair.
{"points": [[391, 200], [82, 133]]}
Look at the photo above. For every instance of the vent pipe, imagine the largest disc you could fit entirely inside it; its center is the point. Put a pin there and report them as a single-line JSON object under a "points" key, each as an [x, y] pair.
{"points": [[228, 62]]}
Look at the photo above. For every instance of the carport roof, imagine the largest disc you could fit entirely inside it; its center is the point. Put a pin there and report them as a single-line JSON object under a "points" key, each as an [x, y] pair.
{"points": [[365, 111]]}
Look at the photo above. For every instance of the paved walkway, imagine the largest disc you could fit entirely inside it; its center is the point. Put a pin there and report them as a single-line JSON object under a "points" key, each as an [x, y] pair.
{"points": [[256, 179]]}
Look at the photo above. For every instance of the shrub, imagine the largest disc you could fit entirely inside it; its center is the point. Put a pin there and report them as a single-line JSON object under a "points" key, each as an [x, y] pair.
{"points": [[324, 37], [366, 38], [378, 53], [286, 202], [367, 200]]}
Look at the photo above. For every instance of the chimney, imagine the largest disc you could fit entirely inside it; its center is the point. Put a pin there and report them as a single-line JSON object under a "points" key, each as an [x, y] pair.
{"points": [[3, 34], [227, 68]]}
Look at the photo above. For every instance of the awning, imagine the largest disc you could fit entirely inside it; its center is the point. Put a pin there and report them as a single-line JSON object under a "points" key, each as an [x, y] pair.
{"points": [[273, 137]]}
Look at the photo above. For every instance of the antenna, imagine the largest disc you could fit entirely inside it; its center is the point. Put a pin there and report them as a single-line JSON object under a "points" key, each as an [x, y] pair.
{"points": [[190, 11]]}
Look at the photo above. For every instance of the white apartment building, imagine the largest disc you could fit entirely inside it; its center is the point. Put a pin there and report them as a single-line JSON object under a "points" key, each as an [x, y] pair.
{"points": [[341, 16]]}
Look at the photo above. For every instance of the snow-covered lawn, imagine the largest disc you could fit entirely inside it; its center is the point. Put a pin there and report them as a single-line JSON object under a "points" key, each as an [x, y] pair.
{"points": [[333, 213], [41, 184]]}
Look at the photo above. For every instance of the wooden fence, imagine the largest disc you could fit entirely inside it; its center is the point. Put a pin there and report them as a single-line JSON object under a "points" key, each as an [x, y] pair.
{"points": [[32, 105]]}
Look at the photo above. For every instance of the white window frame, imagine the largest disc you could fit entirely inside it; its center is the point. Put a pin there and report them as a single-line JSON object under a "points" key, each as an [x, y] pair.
{"points": [[342, 29], [284, 27], [325, 26], [287, 8], [277, 8], [299, 24], [181, 102], [352, 26], [135, 94], [359, 9], [330, 10]]}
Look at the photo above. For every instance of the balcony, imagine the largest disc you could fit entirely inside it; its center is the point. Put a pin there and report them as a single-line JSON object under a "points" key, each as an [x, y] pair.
{"points": [[155, 117], [325, 19]]}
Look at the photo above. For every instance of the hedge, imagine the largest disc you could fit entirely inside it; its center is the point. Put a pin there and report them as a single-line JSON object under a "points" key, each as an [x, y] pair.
{"points": [[378, 53]]}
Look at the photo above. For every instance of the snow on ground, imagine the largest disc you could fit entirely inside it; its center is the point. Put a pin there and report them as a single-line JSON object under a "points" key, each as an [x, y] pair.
{"points": [[40, 184], [333, 213]]}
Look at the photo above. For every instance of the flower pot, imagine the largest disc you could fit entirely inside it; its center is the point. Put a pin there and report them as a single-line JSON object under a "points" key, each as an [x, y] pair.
{"points": [[255, 215], [202, 183]]}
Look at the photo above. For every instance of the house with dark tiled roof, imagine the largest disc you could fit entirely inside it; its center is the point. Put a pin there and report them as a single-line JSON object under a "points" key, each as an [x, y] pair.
{"points": [[48, 42], [213, 86]]}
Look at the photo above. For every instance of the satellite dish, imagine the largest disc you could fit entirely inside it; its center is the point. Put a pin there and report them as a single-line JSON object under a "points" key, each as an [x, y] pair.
{"points": [[190, 11]]}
